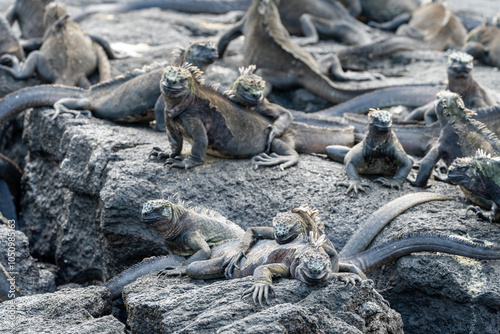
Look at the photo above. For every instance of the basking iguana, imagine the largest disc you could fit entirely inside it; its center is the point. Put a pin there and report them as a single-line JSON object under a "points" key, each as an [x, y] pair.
{"points": [[188, 231], [460, 81], [215, 124], [281, 62], [432, 27], [131, 97], [479, 179], [483, 43], [385, 10], [461, 136], [66, 56], [379, 153], [9, 44]]}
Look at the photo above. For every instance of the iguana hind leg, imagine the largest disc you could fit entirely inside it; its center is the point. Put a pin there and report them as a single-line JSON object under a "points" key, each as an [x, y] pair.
{"points": [[283, 155], [75, 106]]}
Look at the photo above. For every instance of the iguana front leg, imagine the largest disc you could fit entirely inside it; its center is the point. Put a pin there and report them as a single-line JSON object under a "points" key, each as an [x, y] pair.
{"points": [[263, 281], [282, 121], [426, 167], [492, 217], [354, 182], [197, 131], [251, 236], [284, 155], [197, 243], [404, 164]]}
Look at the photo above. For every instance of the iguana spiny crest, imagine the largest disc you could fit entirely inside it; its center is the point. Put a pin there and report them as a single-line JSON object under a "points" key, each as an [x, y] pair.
{"points": [[248, 89], [452, 105], [381, 119], [177, 81], [54, 12], [481, 163], [300, 221], [200, 54], [460, 57]]}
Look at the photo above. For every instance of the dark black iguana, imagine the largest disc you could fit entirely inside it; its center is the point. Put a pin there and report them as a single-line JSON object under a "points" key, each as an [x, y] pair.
{"points": [[479, 179], [9, 44], [188, 231], [461, 136], [385, 10], [215, 124], [379, 153], [432, 27], [281, 62], [483, 43], [66, 56], [460, 81], [130, 97]]}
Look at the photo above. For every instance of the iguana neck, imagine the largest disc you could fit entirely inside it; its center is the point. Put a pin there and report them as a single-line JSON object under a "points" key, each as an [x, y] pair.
{"points": [[175, 107], [466, 87], [170, 230], [378, 139]]}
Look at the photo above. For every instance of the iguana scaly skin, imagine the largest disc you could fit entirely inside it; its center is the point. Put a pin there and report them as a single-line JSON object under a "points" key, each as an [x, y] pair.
{"points": [[385, 10], [131, 97], [29, 15], [460, 81], [188, 231], [9, 44], [281, 62], [479, 179], [379, 153], [461, 136], [216, 125], [10, 187], [432, 27], [483, 43], [66, 56]]}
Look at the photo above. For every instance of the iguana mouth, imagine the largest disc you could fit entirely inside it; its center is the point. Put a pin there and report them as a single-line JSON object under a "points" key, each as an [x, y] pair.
{"points": [[251, 100], [312, 279], [455, 177], [151, 218], [285, 238], [172, 89]]}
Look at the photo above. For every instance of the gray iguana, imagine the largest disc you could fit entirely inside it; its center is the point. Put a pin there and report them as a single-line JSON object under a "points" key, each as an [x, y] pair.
{"points": [[479, 179], [461, 136], [9, 44], [483, 43], [215, 124], [66, 56], [379, 153]]}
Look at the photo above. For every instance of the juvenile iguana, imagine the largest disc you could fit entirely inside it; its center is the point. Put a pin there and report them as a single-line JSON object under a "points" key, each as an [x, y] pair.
{"points": [[460, 81], [281, 62], [188, 231], [131, 97], [479, 179], [432, 27], [483, 43], [215, 124], [379, 153], [66, 56], [461, 136]]}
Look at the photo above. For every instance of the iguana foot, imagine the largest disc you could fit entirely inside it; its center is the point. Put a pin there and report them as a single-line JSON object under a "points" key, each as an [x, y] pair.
{"points": [[492, 217], [10, 61], [273, 159], [350, 280], [232, 263], [259, 290], [169, 271], [158, 153], [390, 183], [179, 162], [354, 185]]}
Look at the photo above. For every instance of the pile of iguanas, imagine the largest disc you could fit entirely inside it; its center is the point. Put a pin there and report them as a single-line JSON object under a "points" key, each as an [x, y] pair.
{"points": [[240, 122]]}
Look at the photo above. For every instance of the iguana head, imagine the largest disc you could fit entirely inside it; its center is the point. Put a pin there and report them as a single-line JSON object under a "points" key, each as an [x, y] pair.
{"points": [[157, 210], [248, 89], [199, 54], [450, 107], [463, 170], [55, 16], [300, 221], [380, 120], [460, 65], [264, 5], [177, 81], [311, 264]]}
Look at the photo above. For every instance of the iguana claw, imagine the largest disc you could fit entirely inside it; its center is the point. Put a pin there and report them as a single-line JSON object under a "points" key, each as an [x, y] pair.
{"points": [[391, 183], [479, 213], [167, 272], [259, 290], [179, 162], [354, 185], [350, 280], [158, 153], [232, 263]]}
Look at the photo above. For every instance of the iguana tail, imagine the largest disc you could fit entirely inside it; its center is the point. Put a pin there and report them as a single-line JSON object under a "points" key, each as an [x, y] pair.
{"points": [[410, 96], [315, 139], [36, 96], [146, 266], [380, 255], [380, 218], [186, 6]]}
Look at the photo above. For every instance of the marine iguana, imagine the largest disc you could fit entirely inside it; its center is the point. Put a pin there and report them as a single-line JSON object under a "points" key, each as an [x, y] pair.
{"points": [[213, 123], [131, 97], [483, 43], [461, 135], [66, 56], [385, 10], [188, 231], [281, 62], [432, 27], [9, 44], [29, 14], [479, 179], [460, 81], [10, 187], [379, 153]]}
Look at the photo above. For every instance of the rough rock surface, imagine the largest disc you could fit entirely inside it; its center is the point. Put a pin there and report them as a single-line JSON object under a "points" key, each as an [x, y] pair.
{"points": [[78, 311], [190, 306], [86, 180]]}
